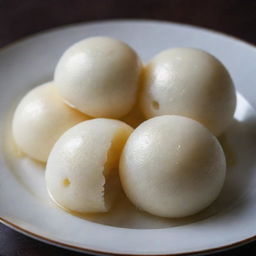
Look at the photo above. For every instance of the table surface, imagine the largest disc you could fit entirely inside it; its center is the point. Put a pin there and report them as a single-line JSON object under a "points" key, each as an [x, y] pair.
{"points": [[21, 18]]}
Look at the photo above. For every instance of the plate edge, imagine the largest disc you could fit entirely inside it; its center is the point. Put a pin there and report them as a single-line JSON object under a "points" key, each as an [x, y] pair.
{"points": [[98, 252]]}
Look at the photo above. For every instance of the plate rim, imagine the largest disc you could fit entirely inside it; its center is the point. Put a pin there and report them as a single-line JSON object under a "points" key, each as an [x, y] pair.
{"points": [[95, 22], [99, 252], [68, 246]]}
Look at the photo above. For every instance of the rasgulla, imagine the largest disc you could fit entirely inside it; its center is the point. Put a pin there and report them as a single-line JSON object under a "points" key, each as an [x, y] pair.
{"points": [[191, 83], [40, 119], [99, 76], [82, 170], [172, 166]]}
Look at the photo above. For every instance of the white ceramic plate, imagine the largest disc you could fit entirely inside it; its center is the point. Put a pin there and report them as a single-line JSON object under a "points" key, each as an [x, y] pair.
{"points": [[24, 203]]}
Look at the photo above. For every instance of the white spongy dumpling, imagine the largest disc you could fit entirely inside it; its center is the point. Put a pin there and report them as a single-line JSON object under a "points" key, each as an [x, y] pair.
{"points": [[172, 166], [191, 83], [40, 119], [82, 170], [99, 76]]}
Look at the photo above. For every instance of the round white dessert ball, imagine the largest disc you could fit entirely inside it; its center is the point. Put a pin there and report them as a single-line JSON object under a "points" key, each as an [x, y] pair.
{"points": [[172, 166], [99, 76], [191, 83], [82, 170], [40, 119]]}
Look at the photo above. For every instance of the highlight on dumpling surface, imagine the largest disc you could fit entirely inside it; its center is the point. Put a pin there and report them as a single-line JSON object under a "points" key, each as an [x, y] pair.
{"points": [[40, 119], [172, 166], [82, 170], [99, 76], [191, 83]]}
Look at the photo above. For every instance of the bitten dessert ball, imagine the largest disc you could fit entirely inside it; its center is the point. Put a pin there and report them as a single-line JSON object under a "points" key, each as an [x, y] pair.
{"points": [[191, 83], [172, 166], [99, 76], [40, 119], [82, 170]]}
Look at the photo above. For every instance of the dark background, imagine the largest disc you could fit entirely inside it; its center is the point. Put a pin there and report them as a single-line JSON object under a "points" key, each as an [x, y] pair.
{"points": [[19, 18]]}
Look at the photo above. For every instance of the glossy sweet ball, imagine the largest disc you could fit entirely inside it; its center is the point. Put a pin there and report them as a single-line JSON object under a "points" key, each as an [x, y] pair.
{"points": [[191, 83], [40, 119], [82, 170], [172, 166], [99, 76]]}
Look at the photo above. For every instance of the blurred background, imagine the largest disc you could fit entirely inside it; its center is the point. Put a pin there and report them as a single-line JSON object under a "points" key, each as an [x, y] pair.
{"points": [[21, 18]]}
